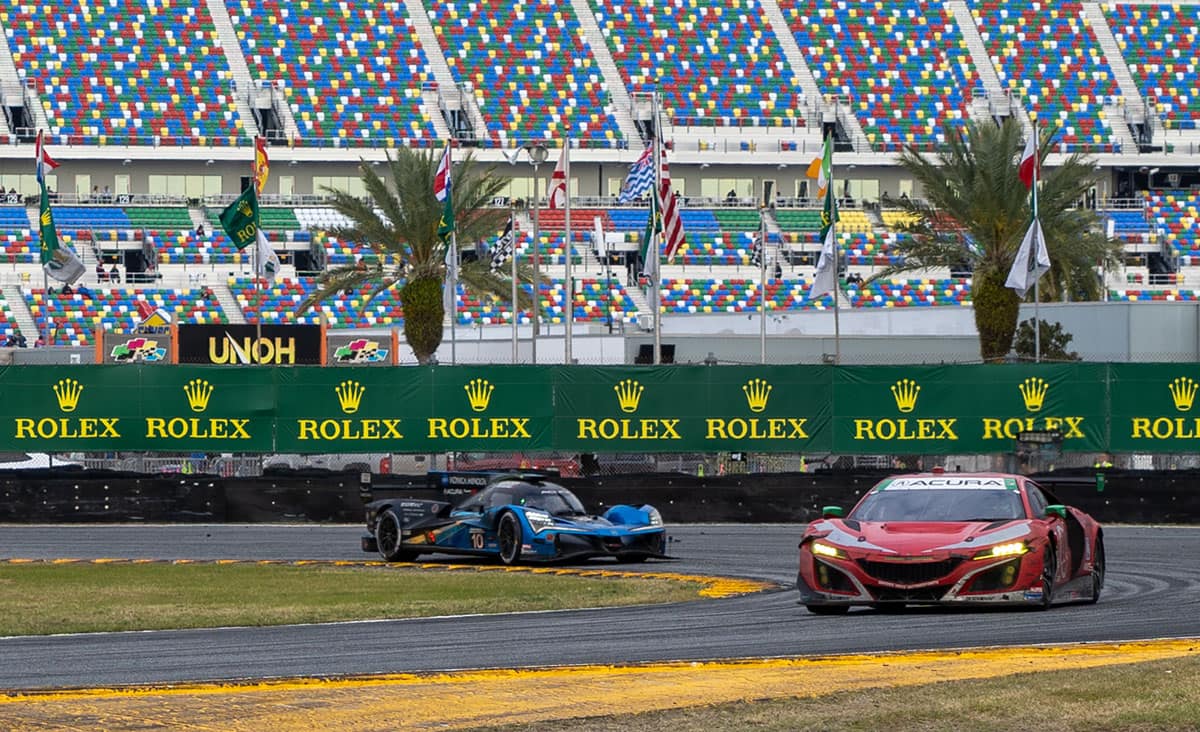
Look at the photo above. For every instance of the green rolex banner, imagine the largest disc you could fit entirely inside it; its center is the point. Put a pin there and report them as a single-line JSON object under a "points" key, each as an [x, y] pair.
{"points": [[58, 261], [240, 219]]}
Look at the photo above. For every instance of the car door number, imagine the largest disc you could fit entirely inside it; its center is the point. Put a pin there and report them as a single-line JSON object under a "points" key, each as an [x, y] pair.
{"points": [[476, 539]]}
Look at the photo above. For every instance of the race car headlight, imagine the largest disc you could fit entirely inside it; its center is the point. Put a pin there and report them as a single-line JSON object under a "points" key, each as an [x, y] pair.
{"points": [[655, 516], [538, 521], [1012, 549], [825, 550]]}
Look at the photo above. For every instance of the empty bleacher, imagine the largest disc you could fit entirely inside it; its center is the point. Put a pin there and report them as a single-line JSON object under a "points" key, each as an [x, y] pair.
{"points": [[1159, 41], [74, 320]]}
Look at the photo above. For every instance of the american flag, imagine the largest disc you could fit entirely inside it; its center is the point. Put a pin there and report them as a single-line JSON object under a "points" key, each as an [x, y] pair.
{"points": [[640, 178], [671, 221]]}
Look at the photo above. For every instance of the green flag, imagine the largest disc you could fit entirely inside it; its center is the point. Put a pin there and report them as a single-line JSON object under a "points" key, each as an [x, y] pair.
{"points": [[446, 224], [240, 219], [58, 261], [653, 226]]}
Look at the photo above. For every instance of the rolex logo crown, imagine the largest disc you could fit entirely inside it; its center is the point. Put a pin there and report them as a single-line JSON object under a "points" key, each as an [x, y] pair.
{"points": [[349, 394], [629, 393], [1183, 392], [905, 392], [68, 391], [1033, 391], [757, 391], [198, 391], [479, 393]]}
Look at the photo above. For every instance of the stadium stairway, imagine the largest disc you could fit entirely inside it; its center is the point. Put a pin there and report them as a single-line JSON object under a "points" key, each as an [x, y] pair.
{"points": [[20, 312], [980, 57], [791, 51], [613, 83], [228, 303], [441, 72], [1134, 104], [237, 65], [10, 81]]}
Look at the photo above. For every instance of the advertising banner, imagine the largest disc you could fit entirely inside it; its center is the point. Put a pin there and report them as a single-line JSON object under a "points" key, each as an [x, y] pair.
{"points": [[967, 409], [692, 409], [1154, 408], [143, 348], [348, 349], [280, 345], [79, 409]]}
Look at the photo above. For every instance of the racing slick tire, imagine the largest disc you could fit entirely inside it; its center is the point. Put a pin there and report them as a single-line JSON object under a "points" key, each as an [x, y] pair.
{"points": [[1049, 569], [1097, 572], [828, 609], [387, 538], [509, 537]]}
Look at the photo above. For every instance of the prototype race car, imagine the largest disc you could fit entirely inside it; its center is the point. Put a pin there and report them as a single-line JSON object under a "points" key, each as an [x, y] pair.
{"points": [[516, 518], [951, 538]]}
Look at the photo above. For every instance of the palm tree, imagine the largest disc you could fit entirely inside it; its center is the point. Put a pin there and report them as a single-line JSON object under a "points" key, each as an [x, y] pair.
{"points": [[974, 210], [399, 221]]}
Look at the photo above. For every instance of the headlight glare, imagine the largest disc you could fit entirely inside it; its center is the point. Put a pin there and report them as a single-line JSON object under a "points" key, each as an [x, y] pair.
{"points": [[655, 516], [1012, 549], [825, 550]]}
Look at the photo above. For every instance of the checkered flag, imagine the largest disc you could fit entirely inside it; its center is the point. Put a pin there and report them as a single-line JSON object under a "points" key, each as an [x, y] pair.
{"points": [[503, 249], [756, 257]]}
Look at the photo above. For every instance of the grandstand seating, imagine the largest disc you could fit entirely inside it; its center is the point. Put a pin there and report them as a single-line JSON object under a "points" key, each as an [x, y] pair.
{"points": [[1177, 216], [714, 62], [73, 320], [158, 217], [279, 302], [8, 324], [736, 296], [126, 73], [902, 293], [1158, 41], [904, 65], [1047, 55], [530, 68], [17, 236], [591, 303], [1170, 294], [175, 246], [352, 73]]}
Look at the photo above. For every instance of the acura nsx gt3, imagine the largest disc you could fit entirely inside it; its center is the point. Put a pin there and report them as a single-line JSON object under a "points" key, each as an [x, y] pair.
{"points": [[949, 539]]}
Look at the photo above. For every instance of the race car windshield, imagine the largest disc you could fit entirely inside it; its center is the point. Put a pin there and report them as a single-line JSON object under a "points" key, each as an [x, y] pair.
{"points": [[555, 502], [940, 505]]}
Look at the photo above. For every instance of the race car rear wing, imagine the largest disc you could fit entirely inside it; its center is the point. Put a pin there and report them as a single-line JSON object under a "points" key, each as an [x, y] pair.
{"points": [[450, 484]]}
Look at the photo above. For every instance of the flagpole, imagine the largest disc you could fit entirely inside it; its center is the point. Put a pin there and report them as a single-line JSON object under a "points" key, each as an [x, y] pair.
{"points": [[652, 250], [762, 279], [1037, 322], [256, 257], [454, 291], [512, 229], [569, 293], [837, 279]]}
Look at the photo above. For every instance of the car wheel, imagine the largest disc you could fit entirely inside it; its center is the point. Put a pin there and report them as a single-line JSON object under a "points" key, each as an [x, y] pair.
{"points": [[1097, 571], [828, 609], [508, 536], [387, 538], [1049, 570]]}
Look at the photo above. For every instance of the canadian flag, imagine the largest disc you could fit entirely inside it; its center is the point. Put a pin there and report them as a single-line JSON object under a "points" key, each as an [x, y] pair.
{"points": [[558, 183], [1028, 160]]}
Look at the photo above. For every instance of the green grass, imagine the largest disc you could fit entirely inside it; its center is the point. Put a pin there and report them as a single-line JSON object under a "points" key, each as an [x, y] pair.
{"points": [[1160, 696], [38, 599]]}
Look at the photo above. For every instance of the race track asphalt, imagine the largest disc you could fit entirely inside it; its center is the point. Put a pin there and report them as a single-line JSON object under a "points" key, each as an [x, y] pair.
{"points": [[1153, 591]]}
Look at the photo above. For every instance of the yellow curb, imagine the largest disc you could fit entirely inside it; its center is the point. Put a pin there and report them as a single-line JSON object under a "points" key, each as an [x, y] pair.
{"points": [[529, 696]]}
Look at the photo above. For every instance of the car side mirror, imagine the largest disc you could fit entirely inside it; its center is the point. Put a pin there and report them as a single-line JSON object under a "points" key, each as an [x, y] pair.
{"points": [[832, 512], [1057, 510]]}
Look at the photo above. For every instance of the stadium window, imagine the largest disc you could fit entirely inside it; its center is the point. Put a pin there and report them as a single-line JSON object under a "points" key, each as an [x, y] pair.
{"points": [[121, 185], [906, 188], [287, 185]]}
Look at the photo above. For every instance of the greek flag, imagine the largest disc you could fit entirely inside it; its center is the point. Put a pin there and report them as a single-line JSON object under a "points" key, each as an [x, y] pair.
{"points": [[640, 178]]}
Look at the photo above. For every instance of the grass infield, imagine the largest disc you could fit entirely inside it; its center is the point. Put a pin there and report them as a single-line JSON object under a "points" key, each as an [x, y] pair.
{"points": [[39, 599]]}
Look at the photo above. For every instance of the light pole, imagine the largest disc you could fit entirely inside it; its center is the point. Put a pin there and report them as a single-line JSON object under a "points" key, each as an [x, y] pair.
{"points": [[537, 155]]}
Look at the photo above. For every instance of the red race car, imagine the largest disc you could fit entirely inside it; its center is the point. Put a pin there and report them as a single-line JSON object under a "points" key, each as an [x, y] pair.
{"points": [[948, 539]]}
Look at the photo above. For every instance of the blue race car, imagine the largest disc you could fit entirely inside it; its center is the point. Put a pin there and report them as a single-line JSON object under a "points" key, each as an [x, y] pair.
{"points": [[517, 518]]}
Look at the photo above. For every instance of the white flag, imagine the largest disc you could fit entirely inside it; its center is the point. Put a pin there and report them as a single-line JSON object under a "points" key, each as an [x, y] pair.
{"points": [[268, 261], [1032, 260], [826, 277]]}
